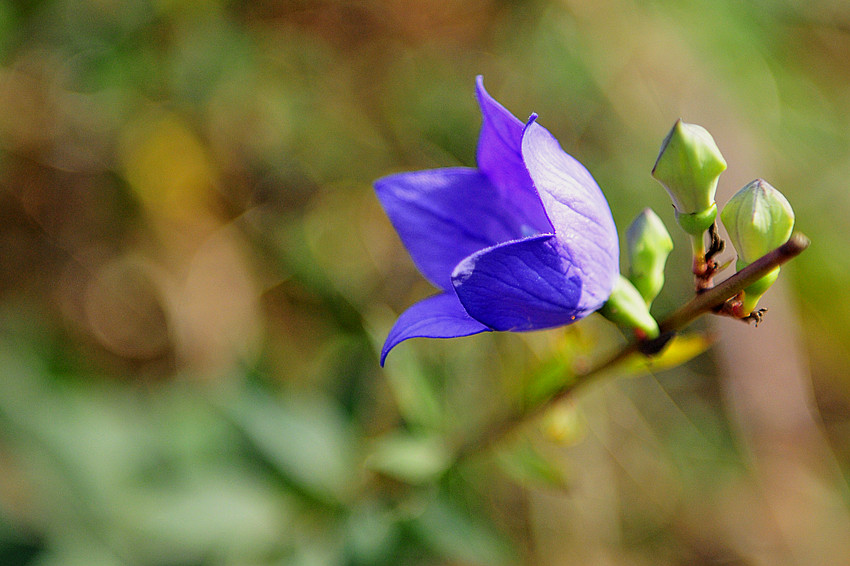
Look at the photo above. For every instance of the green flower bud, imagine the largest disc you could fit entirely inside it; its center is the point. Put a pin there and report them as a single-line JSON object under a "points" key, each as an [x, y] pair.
{"points": [[688, 166], [648, 245], [627, 308], [758, 219]]}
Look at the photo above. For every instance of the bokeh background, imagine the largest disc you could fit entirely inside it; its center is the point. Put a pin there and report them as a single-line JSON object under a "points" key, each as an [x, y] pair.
{"points": [[196, 278]]}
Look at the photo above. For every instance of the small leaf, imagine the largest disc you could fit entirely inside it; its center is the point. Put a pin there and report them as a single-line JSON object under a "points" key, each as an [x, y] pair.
{"points": [[681, 349], [415, 394], [411, 459]]}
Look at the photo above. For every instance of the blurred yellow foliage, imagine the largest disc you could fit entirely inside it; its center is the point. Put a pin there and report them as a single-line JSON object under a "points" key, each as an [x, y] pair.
{"points": [[167, 166]]}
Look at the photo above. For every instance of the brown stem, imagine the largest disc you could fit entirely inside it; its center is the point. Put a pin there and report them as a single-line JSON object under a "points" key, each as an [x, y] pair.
{"points": [[705, 266], [703, 303], [712, 298]]}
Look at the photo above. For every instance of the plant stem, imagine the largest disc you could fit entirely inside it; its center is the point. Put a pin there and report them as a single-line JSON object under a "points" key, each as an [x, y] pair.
{"points": [[710, 300], [713, 298], [698, 247]]}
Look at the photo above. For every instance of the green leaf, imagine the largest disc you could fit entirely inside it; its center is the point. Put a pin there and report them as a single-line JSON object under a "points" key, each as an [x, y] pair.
{"points": [[417, 398], [412, 459], [457, 536], [306, 440], [229, 514], [371, 533], [681, 349]]}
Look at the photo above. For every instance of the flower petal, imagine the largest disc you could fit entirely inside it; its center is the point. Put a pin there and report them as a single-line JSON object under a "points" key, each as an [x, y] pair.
{"points": [[440, 316], [578, 211], [500, 159], [523, 285], [444, 215]]}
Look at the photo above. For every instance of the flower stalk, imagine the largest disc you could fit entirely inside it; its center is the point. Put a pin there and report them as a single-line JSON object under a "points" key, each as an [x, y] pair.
{"points": [[698, 247], [711, 301]]}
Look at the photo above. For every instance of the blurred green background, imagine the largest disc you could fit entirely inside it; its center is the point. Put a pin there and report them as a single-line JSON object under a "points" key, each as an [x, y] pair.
{"points": [[196, 277]]}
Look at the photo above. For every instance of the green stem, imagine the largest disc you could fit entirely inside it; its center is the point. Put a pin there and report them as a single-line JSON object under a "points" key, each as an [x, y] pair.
{"points": [[703, 303], [698, 245], [700, 264]]}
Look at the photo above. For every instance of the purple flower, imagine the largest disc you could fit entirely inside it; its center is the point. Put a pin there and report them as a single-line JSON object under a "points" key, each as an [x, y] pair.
{"points": [[524, 242]]}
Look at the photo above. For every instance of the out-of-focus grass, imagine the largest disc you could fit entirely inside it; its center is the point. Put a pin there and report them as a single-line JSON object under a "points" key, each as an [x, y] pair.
{"points": [[195, 278]]}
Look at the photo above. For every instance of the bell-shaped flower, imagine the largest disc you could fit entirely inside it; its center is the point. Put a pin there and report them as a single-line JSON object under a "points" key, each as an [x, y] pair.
{"points": [[525, 241]]}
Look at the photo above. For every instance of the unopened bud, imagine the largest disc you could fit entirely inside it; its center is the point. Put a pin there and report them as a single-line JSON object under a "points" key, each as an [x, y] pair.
{"points": [[688, 166], [627, 308], [758, 219], [648, 245]]}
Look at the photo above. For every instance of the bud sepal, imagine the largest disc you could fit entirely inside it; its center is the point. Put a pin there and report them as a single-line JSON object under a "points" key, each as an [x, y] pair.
{"points": [[696, 223], [627, 308]]}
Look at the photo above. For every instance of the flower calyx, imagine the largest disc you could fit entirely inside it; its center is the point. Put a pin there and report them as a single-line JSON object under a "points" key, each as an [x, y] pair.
{"points": [[627, 308]]}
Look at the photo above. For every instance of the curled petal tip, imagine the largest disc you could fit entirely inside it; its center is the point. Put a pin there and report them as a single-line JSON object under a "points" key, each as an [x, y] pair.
{"points": [[440, 316]]}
